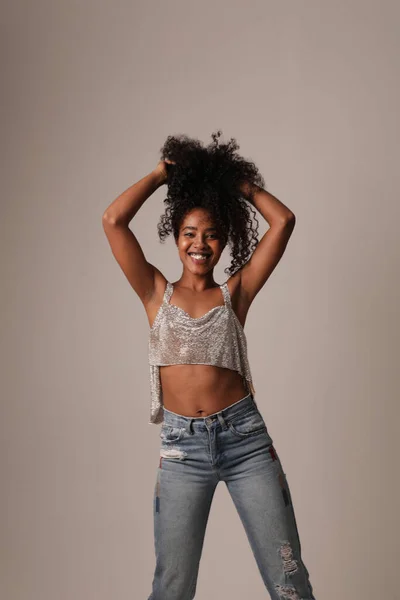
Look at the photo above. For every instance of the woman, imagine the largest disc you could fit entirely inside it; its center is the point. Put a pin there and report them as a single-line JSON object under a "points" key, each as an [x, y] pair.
{"points": [[201, 385]]}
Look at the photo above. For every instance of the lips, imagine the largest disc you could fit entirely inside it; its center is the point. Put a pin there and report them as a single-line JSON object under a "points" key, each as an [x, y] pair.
{"points": [[196, 259]]}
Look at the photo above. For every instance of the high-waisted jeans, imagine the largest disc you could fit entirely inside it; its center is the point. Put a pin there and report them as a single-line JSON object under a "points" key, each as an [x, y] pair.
{"points": [[234, 446]]}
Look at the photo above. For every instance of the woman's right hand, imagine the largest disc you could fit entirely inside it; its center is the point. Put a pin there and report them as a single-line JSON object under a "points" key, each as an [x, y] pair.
{"points": [[161, 169]]}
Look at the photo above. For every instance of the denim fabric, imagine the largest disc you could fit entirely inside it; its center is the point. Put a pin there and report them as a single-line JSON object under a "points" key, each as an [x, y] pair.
{"points": [[234, 446]]}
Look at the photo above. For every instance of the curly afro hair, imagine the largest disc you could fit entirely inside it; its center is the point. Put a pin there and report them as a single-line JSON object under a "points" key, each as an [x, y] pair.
{"points": [[210, 178]]}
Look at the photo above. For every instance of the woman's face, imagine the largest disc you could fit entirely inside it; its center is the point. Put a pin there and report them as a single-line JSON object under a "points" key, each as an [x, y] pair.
{"points": [[199, 243]]}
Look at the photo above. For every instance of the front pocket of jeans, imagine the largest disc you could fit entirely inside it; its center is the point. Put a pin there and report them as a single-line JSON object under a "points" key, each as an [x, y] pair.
{"points": [[171, 434], [248, 424]]}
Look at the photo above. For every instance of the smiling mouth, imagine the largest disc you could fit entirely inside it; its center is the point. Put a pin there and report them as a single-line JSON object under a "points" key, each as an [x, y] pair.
{"points": [[199, 257]]}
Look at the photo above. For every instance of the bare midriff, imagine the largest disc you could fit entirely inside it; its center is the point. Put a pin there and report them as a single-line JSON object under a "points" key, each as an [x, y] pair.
{"points": [[200, 390]]}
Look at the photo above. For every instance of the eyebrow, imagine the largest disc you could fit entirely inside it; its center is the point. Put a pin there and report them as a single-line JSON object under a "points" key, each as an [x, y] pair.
{"points": [[191, 227]]}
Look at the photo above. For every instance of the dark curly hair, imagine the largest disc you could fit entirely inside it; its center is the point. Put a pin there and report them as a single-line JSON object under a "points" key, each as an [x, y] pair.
{"points": [[210, 178]]}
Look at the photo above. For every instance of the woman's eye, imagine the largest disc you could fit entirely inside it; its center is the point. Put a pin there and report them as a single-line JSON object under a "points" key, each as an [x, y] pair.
{"points": [[212, 235]]}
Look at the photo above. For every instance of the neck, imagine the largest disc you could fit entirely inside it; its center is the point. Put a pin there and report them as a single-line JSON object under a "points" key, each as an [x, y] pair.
{"points": [[197, 283]]}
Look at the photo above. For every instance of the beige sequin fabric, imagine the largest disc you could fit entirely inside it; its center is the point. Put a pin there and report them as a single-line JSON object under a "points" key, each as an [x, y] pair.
{"points": [[216, 338]]}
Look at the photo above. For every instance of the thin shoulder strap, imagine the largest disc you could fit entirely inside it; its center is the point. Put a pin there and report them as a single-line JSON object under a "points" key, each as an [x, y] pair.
{"points": [[226, 294], [168, 292]]}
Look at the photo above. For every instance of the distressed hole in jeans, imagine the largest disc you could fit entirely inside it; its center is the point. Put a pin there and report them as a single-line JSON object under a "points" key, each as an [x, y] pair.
{"points": [[173, 452], [289, 564], [287, 592]]}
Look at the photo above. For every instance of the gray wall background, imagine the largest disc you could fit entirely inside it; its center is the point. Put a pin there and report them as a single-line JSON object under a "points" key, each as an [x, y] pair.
{"points": [[90, 92]]}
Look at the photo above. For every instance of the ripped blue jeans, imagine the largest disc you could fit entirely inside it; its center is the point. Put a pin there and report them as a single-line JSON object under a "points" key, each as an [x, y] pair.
{"points": [[234, 446]]}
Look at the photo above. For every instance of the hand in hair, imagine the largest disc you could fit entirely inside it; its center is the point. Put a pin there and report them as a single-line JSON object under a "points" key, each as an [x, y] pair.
{"points": [[163, 169]]}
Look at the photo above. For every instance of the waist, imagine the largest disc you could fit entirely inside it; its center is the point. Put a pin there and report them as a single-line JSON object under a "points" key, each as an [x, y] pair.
{"points": [[174, 419], [199, 390]]}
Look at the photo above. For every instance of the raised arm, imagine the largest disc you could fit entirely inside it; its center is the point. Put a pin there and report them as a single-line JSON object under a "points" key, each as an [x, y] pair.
{"points": [[124, 244], [272, 245]]}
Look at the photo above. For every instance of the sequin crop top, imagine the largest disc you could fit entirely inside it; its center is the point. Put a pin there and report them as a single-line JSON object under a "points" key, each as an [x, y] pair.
{"points": [[216, 338]]}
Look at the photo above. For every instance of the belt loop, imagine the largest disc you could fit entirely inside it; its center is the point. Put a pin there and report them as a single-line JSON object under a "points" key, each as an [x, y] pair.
{"points": [[189, 427], [222, 421]]}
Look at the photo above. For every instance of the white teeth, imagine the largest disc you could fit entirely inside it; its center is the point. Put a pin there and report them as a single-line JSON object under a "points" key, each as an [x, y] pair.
{"points": [[199, 256]]}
